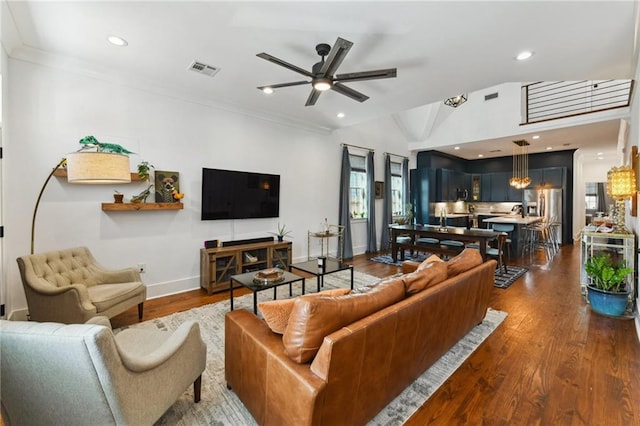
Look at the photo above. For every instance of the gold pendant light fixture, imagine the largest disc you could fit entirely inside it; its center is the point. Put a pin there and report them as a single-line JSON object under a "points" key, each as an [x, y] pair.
{"points": [[520, 177]]}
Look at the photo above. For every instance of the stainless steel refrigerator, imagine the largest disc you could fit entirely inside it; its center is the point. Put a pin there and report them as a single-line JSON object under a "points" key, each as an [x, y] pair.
{"points": [[546, 203]]}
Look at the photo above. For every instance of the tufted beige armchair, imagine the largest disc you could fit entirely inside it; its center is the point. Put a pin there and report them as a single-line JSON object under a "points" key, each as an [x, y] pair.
{"points": [[69, 286], [83, 374]]}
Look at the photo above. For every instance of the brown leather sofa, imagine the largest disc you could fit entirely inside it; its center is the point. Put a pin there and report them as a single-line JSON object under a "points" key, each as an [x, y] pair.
{"points": [[360, 367]]}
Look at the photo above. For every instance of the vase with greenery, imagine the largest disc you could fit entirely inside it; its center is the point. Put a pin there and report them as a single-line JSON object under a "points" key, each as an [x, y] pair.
{"points": [[607, 291]]}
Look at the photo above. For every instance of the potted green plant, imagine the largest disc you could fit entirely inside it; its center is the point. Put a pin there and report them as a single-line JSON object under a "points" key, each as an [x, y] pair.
{"points": [[607, 291], [118, 196], [143, 170], [282, 232]]}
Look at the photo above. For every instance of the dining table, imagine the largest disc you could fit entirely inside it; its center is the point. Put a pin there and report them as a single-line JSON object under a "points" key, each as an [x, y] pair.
{"points": [[481, 236]]}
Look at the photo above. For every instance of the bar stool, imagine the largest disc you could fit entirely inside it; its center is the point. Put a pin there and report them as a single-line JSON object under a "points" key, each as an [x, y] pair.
{"points": [[499, 251], [538, 236]]}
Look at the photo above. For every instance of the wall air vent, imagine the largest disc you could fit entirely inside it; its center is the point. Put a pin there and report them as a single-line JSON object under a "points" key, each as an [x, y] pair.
{"points": [[490, 96], [203, 68]]}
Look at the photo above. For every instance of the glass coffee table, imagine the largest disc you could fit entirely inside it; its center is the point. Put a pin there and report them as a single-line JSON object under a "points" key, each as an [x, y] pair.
{"points": [[331, 266], [247, 280]]}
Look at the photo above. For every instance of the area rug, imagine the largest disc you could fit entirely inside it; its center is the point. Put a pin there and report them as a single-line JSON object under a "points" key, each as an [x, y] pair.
{"points": [[504, 280], [220, 406], [386, 258]]}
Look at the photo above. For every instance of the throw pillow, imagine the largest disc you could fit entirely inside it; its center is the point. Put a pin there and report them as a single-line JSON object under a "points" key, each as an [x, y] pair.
{"points": [[428, 260], [425, 277], [313, 318], [276, 312], [469, 258]]}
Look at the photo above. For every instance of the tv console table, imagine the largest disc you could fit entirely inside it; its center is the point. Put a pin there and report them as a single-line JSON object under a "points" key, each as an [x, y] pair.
{"points": [[217, 265]]}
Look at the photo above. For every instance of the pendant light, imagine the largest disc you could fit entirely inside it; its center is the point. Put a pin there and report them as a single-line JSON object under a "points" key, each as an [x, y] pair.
{"points": [[520, 177]]}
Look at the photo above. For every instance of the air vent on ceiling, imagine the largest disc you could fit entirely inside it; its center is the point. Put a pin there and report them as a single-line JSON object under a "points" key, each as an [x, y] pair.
{"points": [[203, 68], [495, 150], [490, 96]]}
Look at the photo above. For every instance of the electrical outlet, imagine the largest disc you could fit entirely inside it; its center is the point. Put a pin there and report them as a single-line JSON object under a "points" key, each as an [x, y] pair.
{"points": [[142, 268]]}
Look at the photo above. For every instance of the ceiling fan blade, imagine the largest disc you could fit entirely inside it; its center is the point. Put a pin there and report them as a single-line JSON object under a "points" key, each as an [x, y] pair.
{"points": [[347, 91], [366, 75], [313, 97], [336, 55], [284, 64], [277, 86]]}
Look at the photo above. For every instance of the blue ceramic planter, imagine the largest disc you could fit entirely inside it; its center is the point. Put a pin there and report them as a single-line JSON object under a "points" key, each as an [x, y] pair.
{"points": [[606, 302]]}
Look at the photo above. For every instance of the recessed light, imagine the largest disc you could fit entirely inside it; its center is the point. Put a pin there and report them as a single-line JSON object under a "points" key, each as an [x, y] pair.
{"points": [[600, 158], [549, 148], [598, 153], [522, 56], [340, 115], [117, 41], [480, 155], [535, 137], [267, 90], [456, 148]]}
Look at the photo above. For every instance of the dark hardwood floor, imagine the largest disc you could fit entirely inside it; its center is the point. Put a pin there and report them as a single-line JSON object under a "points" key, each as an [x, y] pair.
{"points": [[551, 362]]}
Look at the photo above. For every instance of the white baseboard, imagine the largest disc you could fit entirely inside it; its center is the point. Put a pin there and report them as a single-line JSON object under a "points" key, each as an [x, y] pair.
{"points": [[172, 287]]}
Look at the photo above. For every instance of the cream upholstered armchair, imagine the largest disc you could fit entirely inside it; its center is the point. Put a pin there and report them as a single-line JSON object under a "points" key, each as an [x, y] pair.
{"points": [[81, 374], [69, 286]]}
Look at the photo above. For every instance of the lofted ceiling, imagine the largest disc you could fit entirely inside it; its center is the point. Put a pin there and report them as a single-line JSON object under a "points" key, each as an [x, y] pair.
{"points": [[440, 48]]}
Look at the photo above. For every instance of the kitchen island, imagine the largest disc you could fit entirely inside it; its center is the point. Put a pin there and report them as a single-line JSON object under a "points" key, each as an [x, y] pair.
{"points": [[519, 223]]}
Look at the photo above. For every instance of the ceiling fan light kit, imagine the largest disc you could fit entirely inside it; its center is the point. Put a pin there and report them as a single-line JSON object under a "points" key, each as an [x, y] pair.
{"points": [[323, 74], [456, 101]]}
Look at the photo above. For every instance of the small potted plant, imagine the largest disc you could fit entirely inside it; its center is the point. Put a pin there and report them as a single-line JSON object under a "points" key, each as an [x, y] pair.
{"points": [[607, 291], [143, 170], [118, 196], [282, 232]]}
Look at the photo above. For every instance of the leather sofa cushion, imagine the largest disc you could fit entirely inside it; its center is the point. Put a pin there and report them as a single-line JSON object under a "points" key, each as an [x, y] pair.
{"points": [[276, 312], [313, 318], [427, 275], [466, 260]]}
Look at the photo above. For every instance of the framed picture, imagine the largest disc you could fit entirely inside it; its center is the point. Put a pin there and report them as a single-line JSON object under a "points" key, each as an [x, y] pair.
{"points": [[165, 183], [379, 190]]}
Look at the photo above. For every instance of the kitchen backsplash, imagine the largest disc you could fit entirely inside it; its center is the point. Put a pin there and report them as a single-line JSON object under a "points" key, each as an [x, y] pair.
{"points": [[462, 207]]}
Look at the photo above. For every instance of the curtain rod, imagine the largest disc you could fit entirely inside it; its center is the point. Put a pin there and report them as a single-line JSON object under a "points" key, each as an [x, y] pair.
{"points": [[396, 155], [356, 146]]}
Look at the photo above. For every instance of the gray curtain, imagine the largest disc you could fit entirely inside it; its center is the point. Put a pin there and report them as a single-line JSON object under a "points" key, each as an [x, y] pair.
{"points": [[386, 205], [372, 243], [406, 199], [346, 251], [601, 201]]}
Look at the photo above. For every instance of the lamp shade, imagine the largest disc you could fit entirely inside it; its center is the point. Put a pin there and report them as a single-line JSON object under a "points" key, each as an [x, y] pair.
{"points": [[95, 168], [621, 182]]}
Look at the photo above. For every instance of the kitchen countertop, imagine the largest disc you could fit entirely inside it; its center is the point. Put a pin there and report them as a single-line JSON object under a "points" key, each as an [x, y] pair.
{"points": [[515, 219]]}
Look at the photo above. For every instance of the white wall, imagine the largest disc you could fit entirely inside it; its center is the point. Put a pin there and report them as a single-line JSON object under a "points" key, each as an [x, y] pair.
{"points": [[49, 110]]}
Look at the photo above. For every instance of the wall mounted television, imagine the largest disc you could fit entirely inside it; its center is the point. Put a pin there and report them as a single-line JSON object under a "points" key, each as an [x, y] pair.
{"points": [[229, 194]]}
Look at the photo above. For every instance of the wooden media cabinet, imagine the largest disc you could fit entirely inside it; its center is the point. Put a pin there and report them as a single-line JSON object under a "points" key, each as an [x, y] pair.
{"points": [[218, 264]]}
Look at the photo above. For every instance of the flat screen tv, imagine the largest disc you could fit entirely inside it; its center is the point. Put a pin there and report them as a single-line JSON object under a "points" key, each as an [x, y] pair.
{"points": [[229, 194]]}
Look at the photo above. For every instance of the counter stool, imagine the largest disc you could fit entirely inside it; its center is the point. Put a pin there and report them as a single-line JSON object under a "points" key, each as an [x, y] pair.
{"points": [[538, 236]]}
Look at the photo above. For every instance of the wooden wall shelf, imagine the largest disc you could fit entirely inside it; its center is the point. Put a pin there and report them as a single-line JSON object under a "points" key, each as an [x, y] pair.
{"points": [[62, 173], [122, 207]]}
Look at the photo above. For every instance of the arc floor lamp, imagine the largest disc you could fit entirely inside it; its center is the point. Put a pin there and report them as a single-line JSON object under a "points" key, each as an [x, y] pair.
{"points": [[89, 168]]}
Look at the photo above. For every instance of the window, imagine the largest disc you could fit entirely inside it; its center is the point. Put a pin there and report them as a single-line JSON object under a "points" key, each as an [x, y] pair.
{"points": [[358, 187], [397, 207], [591, 196]]}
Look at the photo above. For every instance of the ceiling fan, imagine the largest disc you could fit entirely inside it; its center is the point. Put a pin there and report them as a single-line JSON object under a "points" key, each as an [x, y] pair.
{"points": [[323, 75]]}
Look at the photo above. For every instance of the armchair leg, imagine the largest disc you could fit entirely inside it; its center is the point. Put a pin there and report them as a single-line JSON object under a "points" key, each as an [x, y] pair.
{"points": [[196, 389], [140, 307]]}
